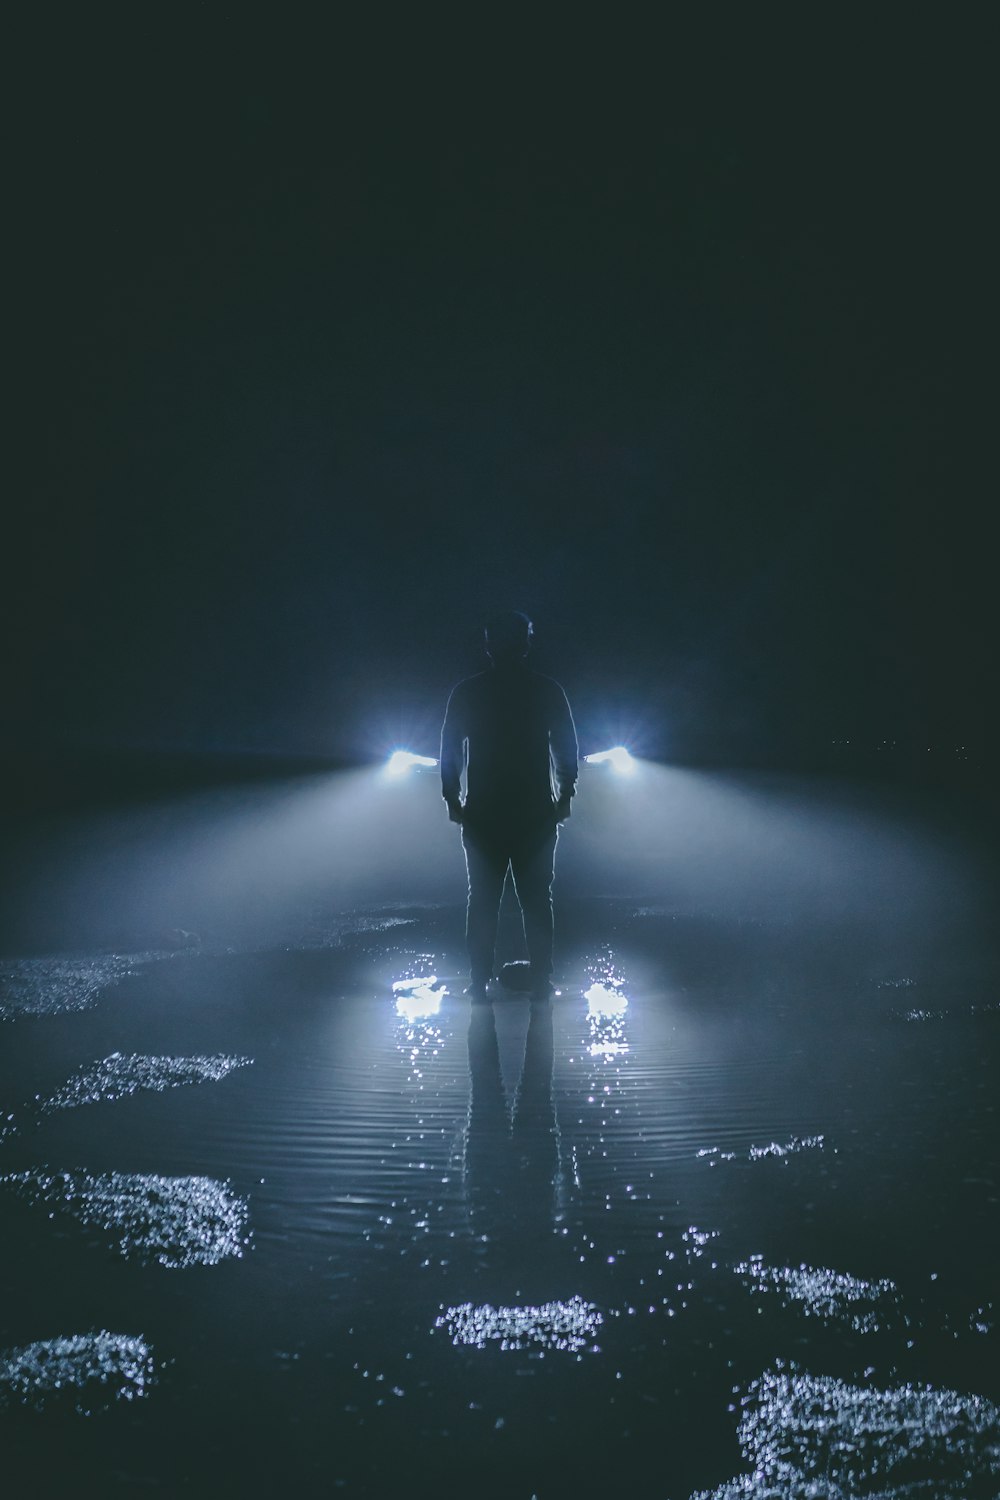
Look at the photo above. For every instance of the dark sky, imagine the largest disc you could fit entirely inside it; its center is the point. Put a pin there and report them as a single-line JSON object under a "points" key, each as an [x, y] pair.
{"points": [[328, 342]]}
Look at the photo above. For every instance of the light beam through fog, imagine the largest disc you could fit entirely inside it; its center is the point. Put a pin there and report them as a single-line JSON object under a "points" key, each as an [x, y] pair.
{"points": [[401, 761], [618, 758], [257, 866], [761, 846], [713, 1149]]}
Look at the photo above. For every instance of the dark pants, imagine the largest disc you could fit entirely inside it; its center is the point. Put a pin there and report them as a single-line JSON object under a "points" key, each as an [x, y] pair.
{"points": [[529, 853]]}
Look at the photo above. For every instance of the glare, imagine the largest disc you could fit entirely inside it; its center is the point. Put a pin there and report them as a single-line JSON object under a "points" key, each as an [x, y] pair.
{"points": [[604, 1003], [401, 761], [417, 999], [618, 758]]}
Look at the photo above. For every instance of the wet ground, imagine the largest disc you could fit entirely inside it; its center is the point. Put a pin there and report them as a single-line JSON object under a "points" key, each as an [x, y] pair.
{"points": [[718, 1220]]}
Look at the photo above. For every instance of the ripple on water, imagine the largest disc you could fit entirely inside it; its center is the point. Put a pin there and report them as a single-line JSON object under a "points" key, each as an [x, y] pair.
{"points": [[817, 1438], [173, 1221], [570, 1325], [818, 1292], [117, 1076], [108, 1367]]}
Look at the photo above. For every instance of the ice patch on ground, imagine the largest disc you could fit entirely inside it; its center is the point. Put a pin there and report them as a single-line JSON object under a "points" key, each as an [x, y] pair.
{"points": [[790, 1148], [990, 1009], [377, 924], [54, 986], [109, 1367], [865, 1306], [568, 1325], [72, 982], [817, 1438], [173, 1221], [117, 1076], [759, 1153], [325, 930], [696, 1241], [981, 1321]]}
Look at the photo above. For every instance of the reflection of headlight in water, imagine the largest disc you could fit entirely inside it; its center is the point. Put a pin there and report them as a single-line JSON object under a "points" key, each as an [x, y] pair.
{"points": [[401, 761], [603, 1003], [618, 758], [417, 999], [569, 1325]]}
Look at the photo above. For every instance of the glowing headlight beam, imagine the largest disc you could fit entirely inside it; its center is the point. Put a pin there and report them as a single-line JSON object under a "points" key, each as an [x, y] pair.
{"points": [[618, 758], [401, 761]]}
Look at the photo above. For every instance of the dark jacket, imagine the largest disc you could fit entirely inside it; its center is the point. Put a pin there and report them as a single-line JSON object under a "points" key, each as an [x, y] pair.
{"points": [[510, 729]]}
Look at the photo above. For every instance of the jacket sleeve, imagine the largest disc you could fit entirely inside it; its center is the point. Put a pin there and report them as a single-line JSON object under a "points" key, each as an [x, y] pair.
{"points": [[453, 734], [563, 744]]}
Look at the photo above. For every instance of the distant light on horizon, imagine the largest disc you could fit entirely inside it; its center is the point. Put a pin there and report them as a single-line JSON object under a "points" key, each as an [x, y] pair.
{"points": [[401, 761], [618, 758]]}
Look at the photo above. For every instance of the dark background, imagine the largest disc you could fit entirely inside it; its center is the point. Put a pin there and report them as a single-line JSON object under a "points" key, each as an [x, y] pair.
{"points": [[331, 337]]}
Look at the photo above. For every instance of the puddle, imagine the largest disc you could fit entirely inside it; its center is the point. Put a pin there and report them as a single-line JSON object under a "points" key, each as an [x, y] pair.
{"points": [[527, 1183], [173, 1221], [816, 1291], [106, 1367], [816, 1438], [569, 1326]]}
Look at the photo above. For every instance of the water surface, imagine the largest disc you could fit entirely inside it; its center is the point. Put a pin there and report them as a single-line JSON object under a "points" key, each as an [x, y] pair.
{"points": [[737, 1172]]}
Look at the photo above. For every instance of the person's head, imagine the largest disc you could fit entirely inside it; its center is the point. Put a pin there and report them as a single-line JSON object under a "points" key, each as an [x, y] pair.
{"points": [[508, 637]]}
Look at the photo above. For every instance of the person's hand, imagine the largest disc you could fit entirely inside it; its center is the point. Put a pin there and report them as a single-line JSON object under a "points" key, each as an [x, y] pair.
{"points": [[456, 812], [562, 809]]}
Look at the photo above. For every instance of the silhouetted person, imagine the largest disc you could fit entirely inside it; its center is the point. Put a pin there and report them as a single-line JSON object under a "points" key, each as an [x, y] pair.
{"points": [[510, 730]]}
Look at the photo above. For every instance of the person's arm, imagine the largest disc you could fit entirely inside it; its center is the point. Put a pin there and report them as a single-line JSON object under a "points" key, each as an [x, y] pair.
{"points": [[453, 755], [565, 752]]}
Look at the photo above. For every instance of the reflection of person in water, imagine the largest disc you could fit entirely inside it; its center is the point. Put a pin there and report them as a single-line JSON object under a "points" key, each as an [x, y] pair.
{"points": [[511, 731], [512, 1158]]}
